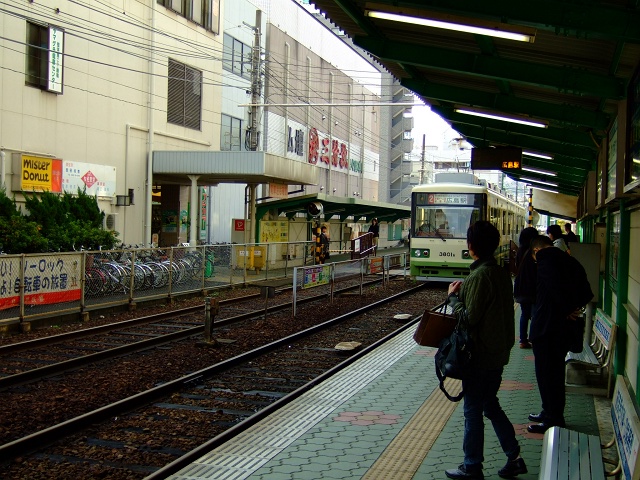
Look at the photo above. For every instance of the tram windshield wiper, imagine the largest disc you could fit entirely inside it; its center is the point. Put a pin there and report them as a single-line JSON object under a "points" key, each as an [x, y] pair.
{"points": [[440, 235]]}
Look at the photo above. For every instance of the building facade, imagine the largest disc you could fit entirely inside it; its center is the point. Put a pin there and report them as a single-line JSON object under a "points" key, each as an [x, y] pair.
{"points": [[92, 92]]}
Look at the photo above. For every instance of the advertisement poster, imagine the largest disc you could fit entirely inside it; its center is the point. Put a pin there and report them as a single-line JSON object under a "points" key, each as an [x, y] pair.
{"points": [[314, 276], [47, 280], [56, 60], [277, 231], [169, 221], [40, 174], [375, 264], [184, 220], [95, 179], [203, 214]]}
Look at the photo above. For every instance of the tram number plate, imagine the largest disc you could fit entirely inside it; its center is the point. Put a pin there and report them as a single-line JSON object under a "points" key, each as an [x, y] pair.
{"points": [[447, 254]]}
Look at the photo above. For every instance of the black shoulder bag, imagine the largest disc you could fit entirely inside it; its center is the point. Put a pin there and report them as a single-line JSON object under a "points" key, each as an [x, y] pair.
{"points": [[454, 355]]}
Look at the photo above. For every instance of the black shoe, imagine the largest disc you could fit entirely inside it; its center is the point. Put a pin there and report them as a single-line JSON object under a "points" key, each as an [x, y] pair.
{"points": [[537, 417], [540, 427], [512, 469], [461, 472]]}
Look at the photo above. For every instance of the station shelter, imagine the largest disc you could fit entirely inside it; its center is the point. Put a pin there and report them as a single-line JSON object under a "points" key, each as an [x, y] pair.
{"points": [[344, 216]]}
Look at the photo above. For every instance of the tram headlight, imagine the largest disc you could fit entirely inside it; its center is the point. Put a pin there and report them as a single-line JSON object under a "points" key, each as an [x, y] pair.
{"points": [[426, 253], [465, 254]]}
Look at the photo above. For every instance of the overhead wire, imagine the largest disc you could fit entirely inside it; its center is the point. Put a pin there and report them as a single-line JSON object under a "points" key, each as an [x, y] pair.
{"points": [[88, 31]]}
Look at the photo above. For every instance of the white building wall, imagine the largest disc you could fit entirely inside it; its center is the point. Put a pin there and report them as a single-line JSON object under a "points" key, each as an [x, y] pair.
{"points": [[102, 116], [302, 26], [226, 200]]}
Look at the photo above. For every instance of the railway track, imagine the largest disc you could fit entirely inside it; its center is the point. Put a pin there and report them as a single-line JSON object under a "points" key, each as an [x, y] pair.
{"points": [[137, 435], [36, 359]]}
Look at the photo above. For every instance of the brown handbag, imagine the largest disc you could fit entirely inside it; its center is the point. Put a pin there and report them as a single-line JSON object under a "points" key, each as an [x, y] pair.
{"points": [[435, 325]]}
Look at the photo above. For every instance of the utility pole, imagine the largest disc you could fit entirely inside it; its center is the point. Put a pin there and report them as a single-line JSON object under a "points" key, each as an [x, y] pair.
{"points": [[424, 153], [253, 131], [256, 85]]}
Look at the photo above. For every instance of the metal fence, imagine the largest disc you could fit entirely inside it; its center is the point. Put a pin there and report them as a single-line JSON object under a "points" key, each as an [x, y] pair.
{"points": [[350, 271], [44, 285]]}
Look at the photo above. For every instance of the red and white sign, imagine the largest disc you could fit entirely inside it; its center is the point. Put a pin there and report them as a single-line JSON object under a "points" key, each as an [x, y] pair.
{"points": [[45, 280], [89, 179], [238, 225]]}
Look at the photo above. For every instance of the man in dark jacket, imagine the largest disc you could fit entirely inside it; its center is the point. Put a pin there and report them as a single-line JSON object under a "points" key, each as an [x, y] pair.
{"points": [[562, 289], [487, 297], [524, 285], [569, 236]]}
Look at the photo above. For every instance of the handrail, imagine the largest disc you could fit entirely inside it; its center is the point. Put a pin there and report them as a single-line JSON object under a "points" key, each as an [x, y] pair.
{"points": [[362, 246]]}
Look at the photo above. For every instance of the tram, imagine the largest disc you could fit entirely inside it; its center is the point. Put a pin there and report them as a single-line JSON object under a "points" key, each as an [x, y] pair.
{"points": [[441, 213]]}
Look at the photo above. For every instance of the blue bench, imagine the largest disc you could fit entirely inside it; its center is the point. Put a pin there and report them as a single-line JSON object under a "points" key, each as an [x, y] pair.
{"points": [[597, 354], [567, 454]]}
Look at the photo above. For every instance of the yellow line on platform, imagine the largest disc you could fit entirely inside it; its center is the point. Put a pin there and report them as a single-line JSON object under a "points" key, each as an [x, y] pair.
{"points": [[404, 455]]}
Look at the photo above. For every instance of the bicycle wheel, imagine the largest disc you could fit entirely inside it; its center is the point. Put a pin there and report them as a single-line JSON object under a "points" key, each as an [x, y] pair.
{"points": [[95, 282]]}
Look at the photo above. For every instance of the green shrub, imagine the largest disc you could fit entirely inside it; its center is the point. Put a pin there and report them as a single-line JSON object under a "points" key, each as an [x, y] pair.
{"points": [[53, 223]]}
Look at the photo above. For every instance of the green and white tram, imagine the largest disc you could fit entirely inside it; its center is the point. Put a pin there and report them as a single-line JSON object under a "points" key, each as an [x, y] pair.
{"points": [[441, 213]]}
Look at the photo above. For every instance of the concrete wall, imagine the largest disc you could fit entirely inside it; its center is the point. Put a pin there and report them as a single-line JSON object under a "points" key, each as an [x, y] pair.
{"points": [[102, 116]]}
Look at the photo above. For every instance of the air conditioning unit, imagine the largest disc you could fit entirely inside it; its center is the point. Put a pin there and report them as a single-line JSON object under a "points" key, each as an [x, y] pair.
{"points": [[109, 222]]}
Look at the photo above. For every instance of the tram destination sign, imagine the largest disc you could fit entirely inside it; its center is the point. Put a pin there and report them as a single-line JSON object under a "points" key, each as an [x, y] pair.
{"points": [[496, 158], [447, 199]]}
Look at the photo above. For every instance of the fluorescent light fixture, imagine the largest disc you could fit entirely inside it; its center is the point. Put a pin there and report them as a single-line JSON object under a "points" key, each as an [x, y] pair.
{"points": [[492, 29], [525, 179], [504, 118], [543, 189], [537, 170], [537, 155]]}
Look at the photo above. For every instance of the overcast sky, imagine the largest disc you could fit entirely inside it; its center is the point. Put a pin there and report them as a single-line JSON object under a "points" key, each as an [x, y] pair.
{"points": [[438, 132]]}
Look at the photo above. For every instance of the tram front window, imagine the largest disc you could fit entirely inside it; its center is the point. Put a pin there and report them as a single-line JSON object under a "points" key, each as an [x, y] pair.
{"points": [[450, 222]]}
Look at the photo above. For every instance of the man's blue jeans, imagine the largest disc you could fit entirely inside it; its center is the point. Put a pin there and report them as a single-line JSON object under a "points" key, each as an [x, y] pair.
{"points": [[480, 398], [525, 316]]}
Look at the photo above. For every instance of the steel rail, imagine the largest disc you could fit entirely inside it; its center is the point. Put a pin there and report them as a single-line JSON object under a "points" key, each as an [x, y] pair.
{"points": [[82, 361], [49, 435]]}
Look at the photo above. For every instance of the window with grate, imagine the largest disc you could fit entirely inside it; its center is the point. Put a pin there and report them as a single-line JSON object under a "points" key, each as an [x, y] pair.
{"points": [[203, 12], [184, 98], [231, 134]]}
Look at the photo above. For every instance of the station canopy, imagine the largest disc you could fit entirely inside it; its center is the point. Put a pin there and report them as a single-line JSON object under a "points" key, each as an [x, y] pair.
{"points": [[336, 207], [569, 74]]}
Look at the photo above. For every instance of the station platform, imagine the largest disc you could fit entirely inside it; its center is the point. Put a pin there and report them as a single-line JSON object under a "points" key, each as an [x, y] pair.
{"points": [[384, 417]]}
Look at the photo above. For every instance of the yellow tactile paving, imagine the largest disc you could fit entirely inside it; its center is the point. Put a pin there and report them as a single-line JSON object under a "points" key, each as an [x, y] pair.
{"points": [[404, 455]]}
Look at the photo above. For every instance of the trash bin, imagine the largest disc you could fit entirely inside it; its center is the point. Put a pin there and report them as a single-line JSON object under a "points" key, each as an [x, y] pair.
{"points": [[244, 257], [258, 256]]}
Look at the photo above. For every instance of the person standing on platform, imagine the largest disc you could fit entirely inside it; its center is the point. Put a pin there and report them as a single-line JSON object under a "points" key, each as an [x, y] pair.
{"points": [[375, 229], [487, 297], [524, 286], [569, 236], [562, 289], [324, 245], [555, 234]]}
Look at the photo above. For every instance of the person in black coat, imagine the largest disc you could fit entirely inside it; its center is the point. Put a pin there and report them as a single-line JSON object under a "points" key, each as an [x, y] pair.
{"points": [[524, 287], [324, 243], [562, 289], [569, 236], [375, 230]]}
